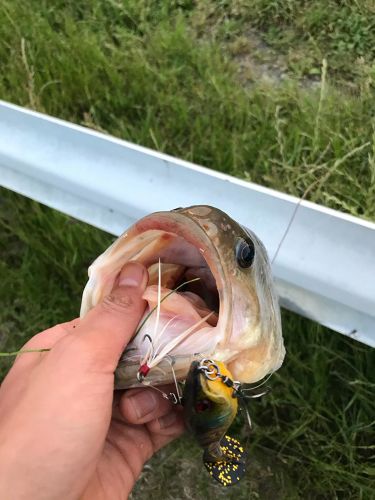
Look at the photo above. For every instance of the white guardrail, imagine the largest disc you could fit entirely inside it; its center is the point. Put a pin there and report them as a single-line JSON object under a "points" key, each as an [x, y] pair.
{"points": [[325, 269]]}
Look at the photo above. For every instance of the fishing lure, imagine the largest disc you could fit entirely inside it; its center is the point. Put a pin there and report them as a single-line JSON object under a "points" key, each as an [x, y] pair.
{"points": [[210, 402]]}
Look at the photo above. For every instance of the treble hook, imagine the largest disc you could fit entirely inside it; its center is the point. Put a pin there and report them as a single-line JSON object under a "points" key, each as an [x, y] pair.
{"points": [[242, 393], [176, 399]]}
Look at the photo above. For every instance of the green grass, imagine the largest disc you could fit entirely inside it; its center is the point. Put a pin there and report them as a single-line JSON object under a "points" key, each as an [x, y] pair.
{"points": [[166, 75], [343, 31]]}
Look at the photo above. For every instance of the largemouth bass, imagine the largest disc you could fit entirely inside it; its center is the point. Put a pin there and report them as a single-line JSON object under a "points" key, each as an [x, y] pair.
{"points": [[225, 308]]}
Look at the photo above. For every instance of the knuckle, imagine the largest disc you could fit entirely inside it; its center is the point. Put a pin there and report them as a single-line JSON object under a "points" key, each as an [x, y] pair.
{"points": [[76, 350], [70, 343], [49, 337], [153, 426], [117, 302]]}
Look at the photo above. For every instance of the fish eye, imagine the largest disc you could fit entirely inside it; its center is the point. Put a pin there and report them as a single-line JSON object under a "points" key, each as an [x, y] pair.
{"points": [[245, 253]]}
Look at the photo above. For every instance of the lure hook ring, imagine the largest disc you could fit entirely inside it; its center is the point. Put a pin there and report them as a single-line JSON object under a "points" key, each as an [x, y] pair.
{"points": [[210, 369]]}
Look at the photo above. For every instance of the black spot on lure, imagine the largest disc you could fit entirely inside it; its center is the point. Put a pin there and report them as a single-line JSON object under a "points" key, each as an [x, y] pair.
{"points": [[210, 405]]}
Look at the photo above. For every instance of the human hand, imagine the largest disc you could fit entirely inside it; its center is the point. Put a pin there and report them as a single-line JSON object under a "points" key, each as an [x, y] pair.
{"points": [[63, 434]]}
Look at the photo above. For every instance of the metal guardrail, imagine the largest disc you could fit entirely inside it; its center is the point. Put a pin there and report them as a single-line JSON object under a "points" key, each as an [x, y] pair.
{"points": [[325, 269]]}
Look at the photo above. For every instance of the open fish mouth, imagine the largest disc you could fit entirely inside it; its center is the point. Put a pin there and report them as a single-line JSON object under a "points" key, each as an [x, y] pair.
{"points": [[200, 301]]}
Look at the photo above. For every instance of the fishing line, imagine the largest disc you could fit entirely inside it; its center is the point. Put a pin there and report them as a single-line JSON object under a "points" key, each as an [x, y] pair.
{"points": [[296, 208], [287, 228], [264, 381], [321, 181]]}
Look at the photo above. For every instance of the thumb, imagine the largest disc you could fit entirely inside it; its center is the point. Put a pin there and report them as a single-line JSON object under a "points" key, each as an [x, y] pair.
{"points": [[109, 326]]}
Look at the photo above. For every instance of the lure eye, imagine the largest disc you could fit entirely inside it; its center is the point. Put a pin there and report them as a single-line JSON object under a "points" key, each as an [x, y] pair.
{"points": [[245, 253], [202, 405]]}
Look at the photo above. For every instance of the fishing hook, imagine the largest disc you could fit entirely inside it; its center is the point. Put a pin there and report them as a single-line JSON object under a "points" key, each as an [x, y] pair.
{"points": [[148, 337], [176, 398]]}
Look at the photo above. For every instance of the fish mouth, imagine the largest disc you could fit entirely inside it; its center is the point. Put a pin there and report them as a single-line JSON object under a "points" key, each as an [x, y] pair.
{"points": [[183, 267], [186, 276], [184, 271], [185, 256], [213, 304]]}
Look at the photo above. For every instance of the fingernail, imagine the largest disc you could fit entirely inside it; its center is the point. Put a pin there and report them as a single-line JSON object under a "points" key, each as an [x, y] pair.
{"points": [[168, 420], [132, 275], [143, 403]]}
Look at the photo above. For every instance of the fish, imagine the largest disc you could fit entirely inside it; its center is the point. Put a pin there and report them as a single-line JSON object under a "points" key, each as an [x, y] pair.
{"points": [[210, 294], [210, 403]]}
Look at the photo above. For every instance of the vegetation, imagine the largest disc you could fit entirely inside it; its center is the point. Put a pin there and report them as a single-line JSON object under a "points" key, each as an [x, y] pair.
{"points": [[280, 93]]}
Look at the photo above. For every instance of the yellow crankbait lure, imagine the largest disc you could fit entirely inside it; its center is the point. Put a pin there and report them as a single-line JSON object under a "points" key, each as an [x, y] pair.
{"points": [[210, 401]]}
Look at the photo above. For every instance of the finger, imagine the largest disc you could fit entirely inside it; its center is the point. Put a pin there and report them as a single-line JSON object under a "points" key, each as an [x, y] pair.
{"points": [[104, 332], [165, 429], [139, 406]]}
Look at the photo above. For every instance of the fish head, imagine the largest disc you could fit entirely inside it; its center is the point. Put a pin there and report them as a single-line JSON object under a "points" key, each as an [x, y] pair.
{"points": [[233, 284], [251, 340]]}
